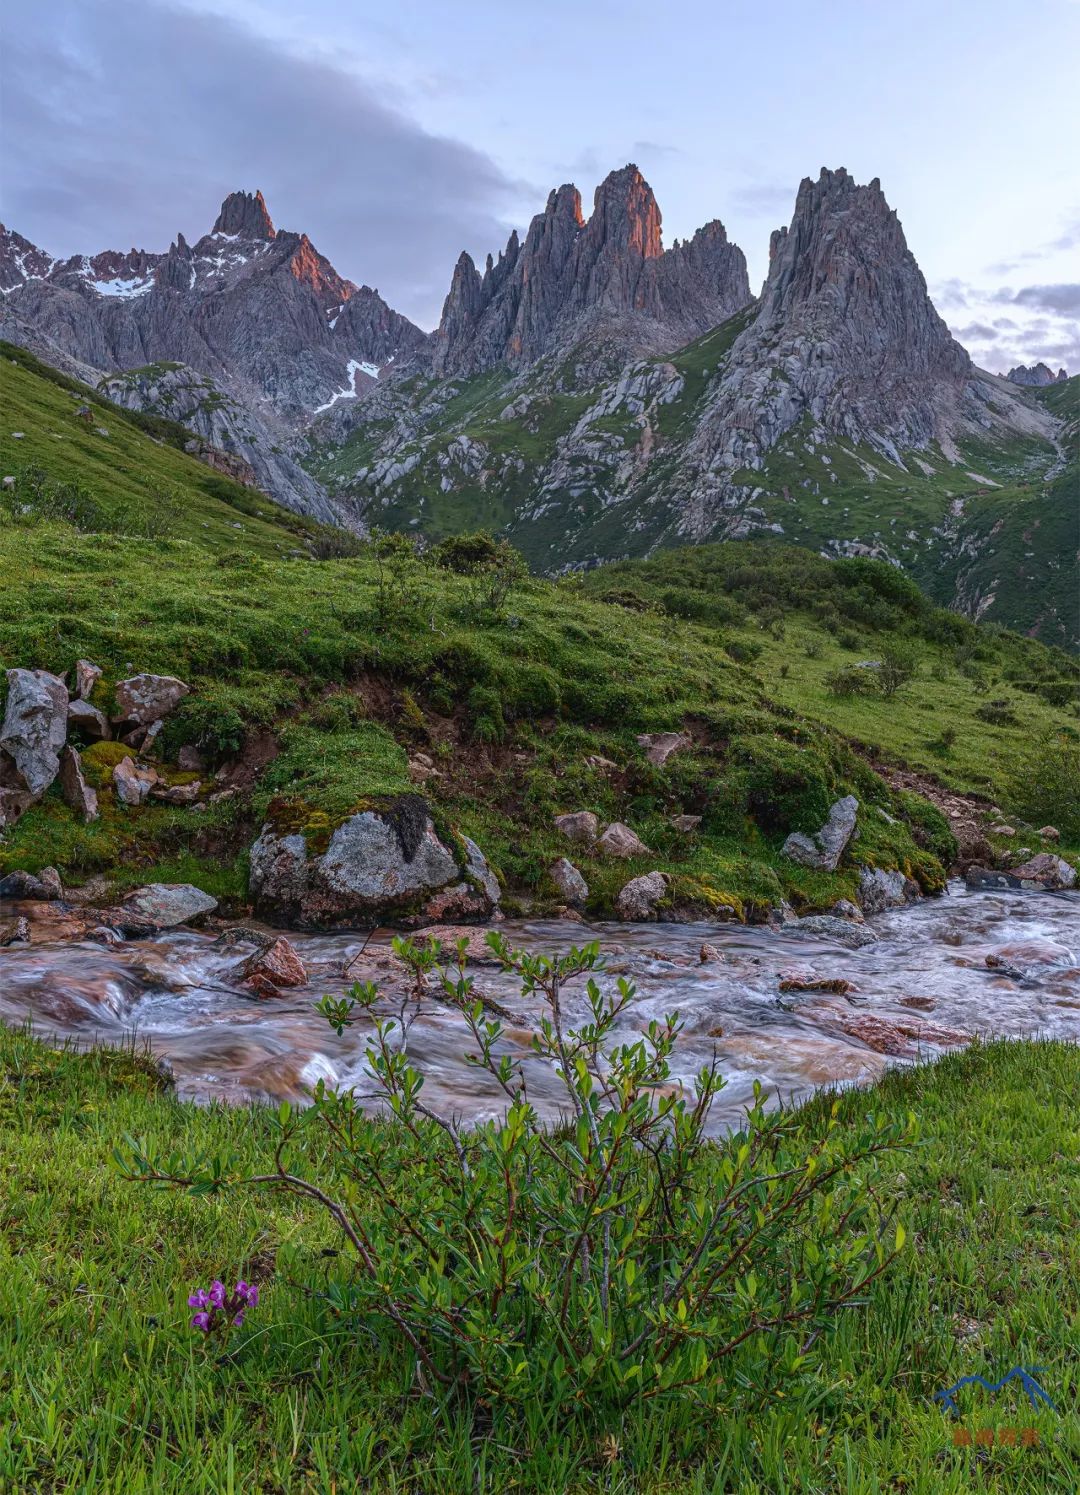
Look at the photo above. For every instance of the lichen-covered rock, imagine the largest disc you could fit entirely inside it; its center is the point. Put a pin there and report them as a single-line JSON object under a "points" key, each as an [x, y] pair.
{"points": [[620, 841], [825, 847], [13, 804], [35, 726], [842, 931], [638, 899], [143, 699], [580, 826], [569, 881], [1044, 873], [380, 865], [41, 887]]}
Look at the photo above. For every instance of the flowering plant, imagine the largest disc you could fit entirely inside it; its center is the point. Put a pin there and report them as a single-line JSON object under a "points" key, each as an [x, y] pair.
{"points": [[218, 1309]]}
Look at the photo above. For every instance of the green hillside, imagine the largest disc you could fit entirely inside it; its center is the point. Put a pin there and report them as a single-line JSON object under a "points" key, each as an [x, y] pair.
{"points": [[136, 479], [572, 482]]}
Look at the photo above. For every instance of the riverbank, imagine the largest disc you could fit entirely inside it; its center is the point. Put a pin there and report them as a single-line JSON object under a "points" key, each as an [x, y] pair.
{"points": [[107, 1388]]}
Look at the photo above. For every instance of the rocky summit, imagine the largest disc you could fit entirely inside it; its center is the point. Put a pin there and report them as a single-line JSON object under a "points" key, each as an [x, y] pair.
{"points": [[595, 395]]}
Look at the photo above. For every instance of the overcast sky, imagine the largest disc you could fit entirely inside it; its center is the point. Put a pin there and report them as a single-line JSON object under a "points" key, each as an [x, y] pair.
{"points": [[397, 135]]}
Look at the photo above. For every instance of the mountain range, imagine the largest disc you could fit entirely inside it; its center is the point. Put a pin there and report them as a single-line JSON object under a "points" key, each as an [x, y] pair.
{"points": [[594, 395]]}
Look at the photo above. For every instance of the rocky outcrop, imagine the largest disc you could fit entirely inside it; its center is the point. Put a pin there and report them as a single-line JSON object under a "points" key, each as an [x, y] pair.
{"points": [[1045, 872], [659, 746], [35, 728], [380, 864], [608, 277], [580, 826], [132, 782], [825, 847], [880, 889], [1036, 375]]}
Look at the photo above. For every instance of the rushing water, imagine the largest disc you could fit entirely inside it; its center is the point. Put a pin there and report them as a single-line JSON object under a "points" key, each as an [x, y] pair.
{"points": [[922, 986]]}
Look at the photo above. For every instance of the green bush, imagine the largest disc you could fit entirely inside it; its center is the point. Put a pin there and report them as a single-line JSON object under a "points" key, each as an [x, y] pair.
{"points": [[614, 1261], [782, 786], [1043, 786]]}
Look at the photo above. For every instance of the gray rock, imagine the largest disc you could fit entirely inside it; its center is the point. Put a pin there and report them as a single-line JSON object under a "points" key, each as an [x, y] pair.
{"points": [[87, 721], [620, 841], [1050, 833], [379, 865], [76, 791], [27, 885], [177, 794], [659, 746], [880, 889], [14, 803], [824, 849], [1043, 873], [638, 899], [686, 823], [840, 931], [580, 826], [569, 881], [162, 905], [132, 783], [843, 908], [35, 726], [144, 699]]}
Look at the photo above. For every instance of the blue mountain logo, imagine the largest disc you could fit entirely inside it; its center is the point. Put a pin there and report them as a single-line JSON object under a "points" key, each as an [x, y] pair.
{"points": [[1035, 1393]]}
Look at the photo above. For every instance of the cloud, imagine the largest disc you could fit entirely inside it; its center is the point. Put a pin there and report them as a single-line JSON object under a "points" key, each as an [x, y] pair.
{"points": [[1062, 299], [654, 149], [770, 200], [126, 123]]}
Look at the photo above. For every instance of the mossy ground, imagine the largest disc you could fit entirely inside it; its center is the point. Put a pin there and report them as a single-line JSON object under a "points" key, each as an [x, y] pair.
{"points": [[106, 1389]]}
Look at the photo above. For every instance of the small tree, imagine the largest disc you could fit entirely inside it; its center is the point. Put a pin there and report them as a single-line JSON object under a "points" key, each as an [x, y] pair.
{"points": [[899, 664], [620, 1257]]}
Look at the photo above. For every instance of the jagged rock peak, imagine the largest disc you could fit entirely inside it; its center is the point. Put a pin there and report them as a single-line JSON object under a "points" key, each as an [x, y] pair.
{"points": [[1036, 375], [245, 213], [844, 263], [569, 276]]}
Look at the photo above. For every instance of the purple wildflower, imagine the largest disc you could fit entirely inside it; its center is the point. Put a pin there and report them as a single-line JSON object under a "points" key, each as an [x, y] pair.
{"points": [[218, 1309]]}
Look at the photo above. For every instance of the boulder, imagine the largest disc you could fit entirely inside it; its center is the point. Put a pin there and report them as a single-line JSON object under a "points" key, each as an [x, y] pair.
{"points": [[143, 699], [659, 746], [600, 764], [380, 865], [569, 881], [841, 931], [1044, 873], [189, 759], [638, 899], [825, 847], [843, 908], [686, 823], [87, 676], [620, 841], [160, 905], [880, 889], [87, 721], [133, 782], [73, 786], [580, 826], [269, 970], [15, 931], [35, 726], [1049, 871], [1050, 833], [38, 887]]}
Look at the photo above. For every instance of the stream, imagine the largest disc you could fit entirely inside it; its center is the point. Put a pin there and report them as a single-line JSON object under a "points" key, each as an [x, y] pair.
{"points": [[920, 987]]}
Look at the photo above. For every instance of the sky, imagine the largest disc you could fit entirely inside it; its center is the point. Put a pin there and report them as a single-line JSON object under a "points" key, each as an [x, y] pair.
{"points": [[396, 135]]}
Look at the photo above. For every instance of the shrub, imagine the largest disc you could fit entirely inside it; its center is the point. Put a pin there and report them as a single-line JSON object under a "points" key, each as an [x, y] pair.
{"points": [[1043, 787], [782, 786], [899, 663], [997, 713], [851, 681], [614, 1261]]}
